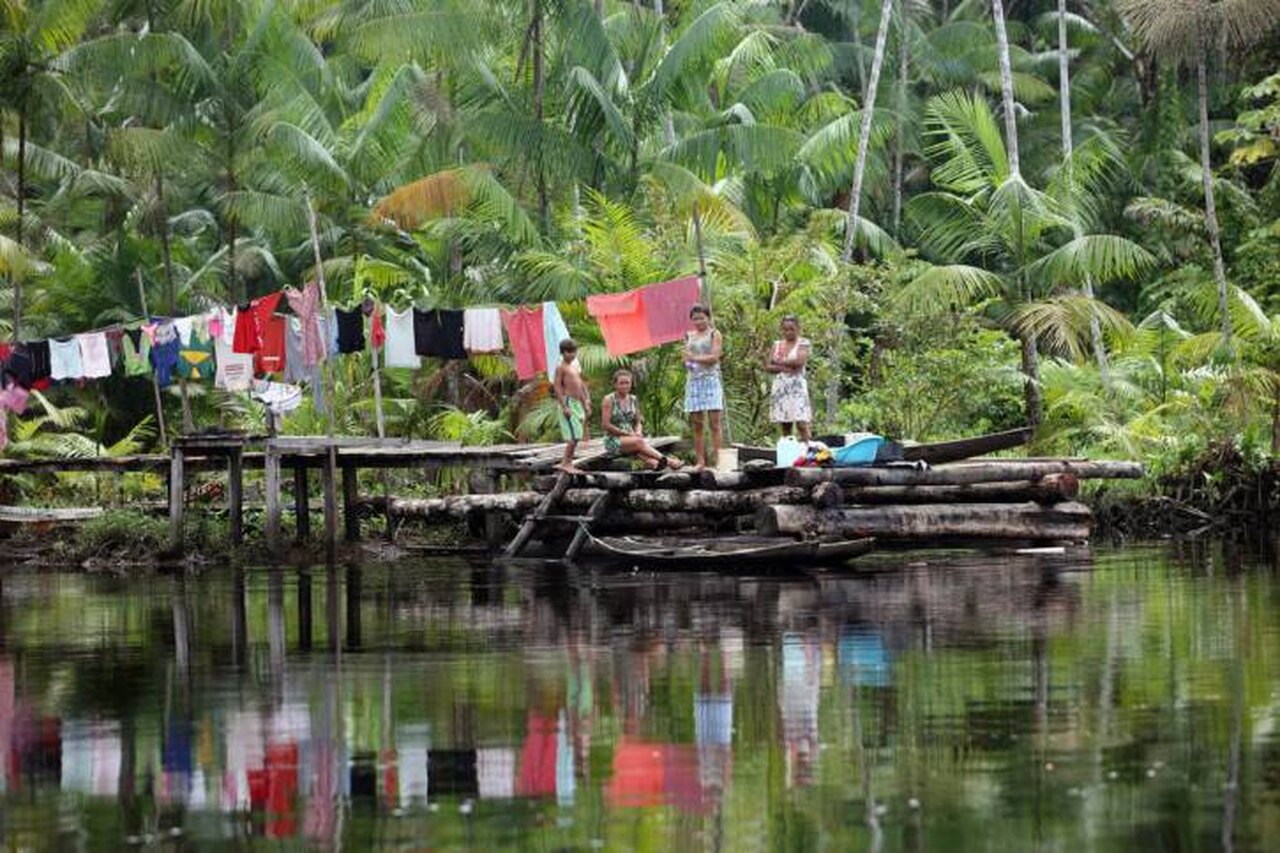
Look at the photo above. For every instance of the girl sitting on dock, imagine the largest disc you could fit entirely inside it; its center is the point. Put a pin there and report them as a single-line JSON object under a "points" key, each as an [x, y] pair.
{"points": [[624, 427]]}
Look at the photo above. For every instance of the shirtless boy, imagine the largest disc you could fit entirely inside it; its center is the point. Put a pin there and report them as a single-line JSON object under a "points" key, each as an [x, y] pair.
{"points": [[575, 403]]}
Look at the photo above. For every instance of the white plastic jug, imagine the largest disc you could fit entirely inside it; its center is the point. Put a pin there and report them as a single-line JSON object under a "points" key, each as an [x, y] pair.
{"points": [[789, 450]]}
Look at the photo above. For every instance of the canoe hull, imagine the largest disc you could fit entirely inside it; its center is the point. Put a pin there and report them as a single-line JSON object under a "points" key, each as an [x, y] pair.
{"points": [[725, 554]]}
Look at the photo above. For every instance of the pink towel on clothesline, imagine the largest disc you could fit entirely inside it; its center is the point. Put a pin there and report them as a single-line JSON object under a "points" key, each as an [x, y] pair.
{"points": [[666, 308], [528, 341], [623, 321]]}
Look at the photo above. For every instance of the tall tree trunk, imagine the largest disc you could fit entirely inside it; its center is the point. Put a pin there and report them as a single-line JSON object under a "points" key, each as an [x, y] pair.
{"points": [[1068, 146], [1210, 208], [1031, 380], [171, 293], [1006, 88], [864, 133], [232, 293], [544, 208], [22, 202], [899, 139]]}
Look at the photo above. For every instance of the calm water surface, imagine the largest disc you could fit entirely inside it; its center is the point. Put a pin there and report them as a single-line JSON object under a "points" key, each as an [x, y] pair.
{"points": [[1124, 701]]}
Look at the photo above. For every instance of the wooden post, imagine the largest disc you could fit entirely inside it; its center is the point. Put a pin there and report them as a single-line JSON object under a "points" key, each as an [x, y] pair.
{"points": [[301, 503], [177, 490], [155, 383], [330, 500], [271, 468], [235, 495], [350, 498], [484, 481]]}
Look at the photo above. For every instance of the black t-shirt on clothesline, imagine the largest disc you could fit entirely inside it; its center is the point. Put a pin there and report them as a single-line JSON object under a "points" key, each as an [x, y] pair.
{"points": [[438, 334]]}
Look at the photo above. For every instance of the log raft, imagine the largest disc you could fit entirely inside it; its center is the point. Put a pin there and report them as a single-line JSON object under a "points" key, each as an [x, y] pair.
{"points": [[991, 499]]}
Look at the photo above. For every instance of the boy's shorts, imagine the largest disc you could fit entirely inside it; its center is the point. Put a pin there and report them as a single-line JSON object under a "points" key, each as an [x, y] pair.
{"points": [[571, 425]]}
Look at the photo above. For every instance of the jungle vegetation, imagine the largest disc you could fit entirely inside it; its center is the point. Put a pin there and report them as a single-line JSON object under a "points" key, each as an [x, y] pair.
{"points": [[985, 214]]}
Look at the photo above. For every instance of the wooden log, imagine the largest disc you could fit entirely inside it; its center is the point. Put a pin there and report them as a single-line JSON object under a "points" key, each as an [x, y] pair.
{"points": [[640, 500], [828, 496], [1028, 520], [988, 471], [1053, 489]]}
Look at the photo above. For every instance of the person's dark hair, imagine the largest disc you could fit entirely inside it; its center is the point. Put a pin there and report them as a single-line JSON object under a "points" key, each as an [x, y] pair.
{"points": [[621, 372], [699, 309], [568, 345], [790, 318]]}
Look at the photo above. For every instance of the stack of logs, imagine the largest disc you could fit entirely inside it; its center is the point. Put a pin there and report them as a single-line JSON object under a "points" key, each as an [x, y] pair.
{"points": [[1024, 499]]}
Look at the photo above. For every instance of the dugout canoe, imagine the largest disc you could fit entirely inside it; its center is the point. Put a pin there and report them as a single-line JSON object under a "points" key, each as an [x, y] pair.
{"points": [[731, 553], [934, 453]]}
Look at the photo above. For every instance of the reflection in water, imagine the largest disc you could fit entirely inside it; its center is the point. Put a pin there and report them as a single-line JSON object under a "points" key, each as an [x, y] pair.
{"points": [[961, 704]]}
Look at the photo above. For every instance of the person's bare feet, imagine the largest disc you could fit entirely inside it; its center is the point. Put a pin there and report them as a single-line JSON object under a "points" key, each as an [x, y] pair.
{"points": [[567, 468], [674, 463]]}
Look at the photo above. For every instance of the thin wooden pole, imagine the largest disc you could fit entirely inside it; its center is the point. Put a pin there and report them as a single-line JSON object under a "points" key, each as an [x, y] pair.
{"points": [[331, 456], [155, 383], [271, 464], [235, 495]]}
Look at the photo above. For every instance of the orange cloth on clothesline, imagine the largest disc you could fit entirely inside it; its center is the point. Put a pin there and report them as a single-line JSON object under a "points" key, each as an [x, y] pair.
{"points": [[623, 321]]}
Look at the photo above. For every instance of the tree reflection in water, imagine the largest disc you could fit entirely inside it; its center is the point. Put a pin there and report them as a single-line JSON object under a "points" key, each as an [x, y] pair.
{"points": [[948, 703]]}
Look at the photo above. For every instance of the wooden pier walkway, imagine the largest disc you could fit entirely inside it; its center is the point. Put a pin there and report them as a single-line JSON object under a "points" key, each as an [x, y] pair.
{"points": [[339, 460]]}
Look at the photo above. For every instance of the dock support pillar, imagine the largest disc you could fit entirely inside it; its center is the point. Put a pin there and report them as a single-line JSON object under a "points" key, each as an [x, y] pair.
{"points": [[485, 482], [177, 491], [331, 500], [350, 499], [301, 503], [235, 496], [271, 468]]}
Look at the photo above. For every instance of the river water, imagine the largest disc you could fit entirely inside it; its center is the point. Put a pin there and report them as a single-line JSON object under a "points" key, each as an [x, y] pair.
{"points": [[1128, 699]]}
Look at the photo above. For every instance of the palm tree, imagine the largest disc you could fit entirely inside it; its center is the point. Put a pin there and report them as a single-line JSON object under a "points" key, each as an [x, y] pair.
{"points": [[1182, 32], [864, 133], [1007, 247], [32, 36], [1068, 156]]}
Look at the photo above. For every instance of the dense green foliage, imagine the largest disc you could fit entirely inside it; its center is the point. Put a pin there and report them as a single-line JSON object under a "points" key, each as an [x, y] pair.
{"points": [[469, 151]]}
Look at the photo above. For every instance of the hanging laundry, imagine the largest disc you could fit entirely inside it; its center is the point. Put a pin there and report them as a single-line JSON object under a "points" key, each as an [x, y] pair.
{"points": [[401, 347], [293, 369], [438, 334], [553, 332], [12, 399], [30, 363], [667, 304], [306, 304], [222, 324], [164, 352], [95, 356], [184, 325], [279, 397], [251, 322], [350, 330], [329, 328], [135, 350], [528, 340], [482, 330], [377, 332], [64, 359], [622, 321], [195, 360], [270, 356], [234, 371]]}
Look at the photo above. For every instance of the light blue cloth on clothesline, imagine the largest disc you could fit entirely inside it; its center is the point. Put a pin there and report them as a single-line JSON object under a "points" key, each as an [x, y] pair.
{"points": [[554, 331]]}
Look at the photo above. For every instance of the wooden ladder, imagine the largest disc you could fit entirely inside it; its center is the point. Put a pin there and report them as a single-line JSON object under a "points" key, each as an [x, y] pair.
{"points": [[544, 513]]}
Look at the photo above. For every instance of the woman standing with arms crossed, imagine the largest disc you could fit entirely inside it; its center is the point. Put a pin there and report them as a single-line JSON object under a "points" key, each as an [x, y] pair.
{"points": [[789, 400], [703, 389]]}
